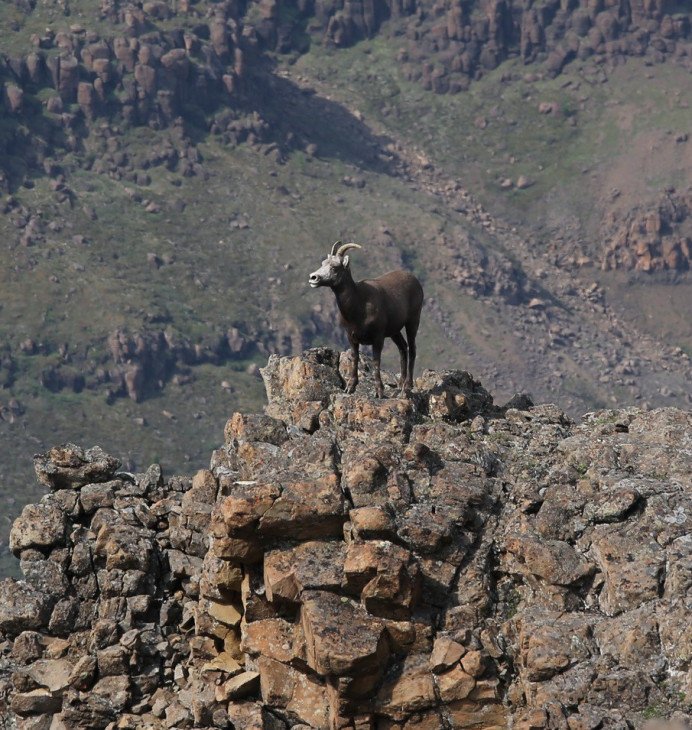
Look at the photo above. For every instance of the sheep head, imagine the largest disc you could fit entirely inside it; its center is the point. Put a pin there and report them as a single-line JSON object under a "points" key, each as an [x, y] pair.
{"points": [[334, 267]]}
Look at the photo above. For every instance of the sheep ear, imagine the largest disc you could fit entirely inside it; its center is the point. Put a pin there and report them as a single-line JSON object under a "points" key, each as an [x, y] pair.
{"points": [[345, 262]]}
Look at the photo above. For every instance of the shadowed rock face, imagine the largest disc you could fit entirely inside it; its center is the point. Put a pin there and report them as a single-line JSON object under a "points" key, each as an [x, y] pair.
{"points": [[350, 562]]}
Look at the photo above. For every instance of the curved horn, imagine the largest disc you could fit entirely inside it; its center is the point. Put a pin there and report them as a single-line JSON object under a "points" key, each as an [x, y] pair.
{"points": [[334, 247], [346, 247]]}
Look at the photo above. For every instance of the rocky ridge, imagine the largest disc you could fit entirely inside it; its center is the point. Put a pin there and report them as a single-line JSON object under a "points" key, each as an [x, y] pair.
{"points": [[347, 562]]}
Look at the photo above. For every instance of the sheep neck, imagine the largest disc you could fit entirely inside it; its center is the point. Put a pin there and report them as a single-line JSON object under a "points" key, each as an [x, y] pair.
{"points": [[347, 298]]}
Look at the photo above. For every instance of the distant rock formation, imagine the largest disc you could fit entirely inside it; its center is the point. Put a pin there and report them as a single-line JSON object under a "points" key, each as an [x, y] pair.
{"points": [[657, 238], [448, 43], [348, 562], [152, 68]]}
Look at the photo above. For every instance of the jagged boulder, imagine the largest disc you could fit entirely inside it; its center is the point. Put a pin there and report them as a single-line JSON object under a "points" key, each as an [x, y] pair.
{"points": [[23, 608], [71, 467], [298, 389]]}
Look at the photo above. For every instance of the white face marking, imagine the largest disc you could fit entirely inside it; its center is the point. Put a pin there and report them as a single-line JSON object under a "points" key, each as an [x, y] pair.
{"points": [[328, 273]]}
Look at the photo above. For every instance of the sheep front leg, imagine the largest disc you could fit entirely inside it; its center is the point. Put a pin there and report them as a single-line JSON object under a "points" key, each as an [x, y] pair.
{"points": [[376, 357], [353, 378]]}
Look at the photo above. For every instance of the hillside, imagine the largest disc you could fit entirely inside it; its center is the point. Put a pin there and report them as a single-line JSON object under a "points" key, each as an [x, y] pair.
{"points": [[351, 562], [172, 172]]}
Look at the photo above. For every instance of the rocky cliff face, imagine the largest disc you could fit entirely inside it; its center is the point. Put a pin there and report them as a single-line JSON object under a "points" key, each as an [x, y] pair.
{"points": [[347, 562], [161, 61]]}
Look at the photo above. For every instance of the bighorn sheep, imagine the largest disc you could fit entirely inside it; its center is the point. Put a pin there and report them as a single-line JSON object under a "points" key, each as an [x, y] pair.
{"points": [[373, 309]]}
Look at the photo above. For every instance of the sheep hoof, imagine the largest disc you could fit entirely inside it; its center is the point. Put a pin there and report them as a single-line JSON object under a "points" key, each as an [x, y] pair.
{"points": [[350, 388]]}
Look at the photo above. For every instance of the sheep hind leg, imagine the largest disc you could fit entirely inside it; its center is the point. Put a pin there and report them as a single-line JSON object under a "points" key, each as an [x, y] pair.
{"points": [[376, 358], [400, 342], [411, 331]]}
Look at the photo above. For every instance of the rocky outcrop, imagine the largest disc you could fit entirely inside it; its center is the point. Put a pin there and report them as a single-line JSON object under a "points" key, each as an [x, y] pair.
{"points": [[352, 562], [657, 238]]}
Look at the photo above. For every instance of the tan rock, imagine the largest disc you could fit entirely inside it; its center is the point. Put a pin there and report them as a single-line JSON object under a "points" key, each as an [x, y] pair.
{"points": [[219, 577], [309, 701], [198, 500], [552, 641], [437, 578], [470, 714], [676, 635], [411, 689], [341, 638], [113, 690], [453, 395], [83, 673], [555, 561], [71, 467], [385, 575], [372, 523], [485, 691], [22, 608], [402, 635], [242, 428], [227, 613], [274, 638], [236, 549], [347, 695], [112, 661], [305, 509], [632, 564], [231, 644], [311, 565], [383, 419], [633, 638], [246, 715], [37, 701], [455, 684], [364, 474], [207, 625], [252, 458], [446, 652], [474, 663], [40, 526], [533, 720], [277, 681], [223, 662], [53, 674], [241, 510], [125, 547], [428, 720], [298, 693], [241, 685], [178, 715], [28, 647], [203, 648], [424, 530]]}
